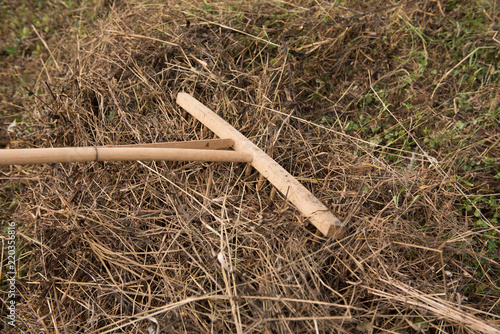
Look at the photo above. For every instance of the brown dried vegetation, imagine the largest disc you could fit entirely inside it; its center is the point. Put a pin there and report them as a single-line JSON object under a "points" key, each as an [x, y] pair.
{"points": [[369, 104]]}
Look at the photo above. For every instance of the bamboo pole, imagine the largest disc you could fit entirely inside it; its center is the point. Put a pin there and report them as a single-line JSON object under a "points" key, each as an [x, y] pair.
{"points": [[104, 153], [293, 190]]}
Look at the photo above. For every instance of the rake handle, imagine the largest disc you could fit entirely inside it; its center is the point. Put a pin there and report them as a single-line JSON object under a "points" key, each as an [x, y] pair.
{"points": [[103, 153]]}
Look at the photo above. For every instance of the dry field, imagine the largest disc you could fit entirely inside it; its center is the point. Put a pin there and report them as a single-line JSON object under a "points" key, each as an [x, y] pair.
{"points": [[387, 111]]}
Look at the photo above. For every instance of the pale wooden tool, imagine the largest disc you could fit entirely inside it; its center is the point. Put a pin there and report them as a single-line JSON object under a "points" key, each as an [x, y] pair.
{"points": [[208, 144], [202, 150], [318, 214]]}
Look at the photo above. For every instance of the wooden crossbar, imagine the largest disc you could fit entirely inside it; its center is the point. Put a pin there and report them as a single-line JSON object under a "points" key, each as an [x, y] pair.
{"points": [[312, 208]]}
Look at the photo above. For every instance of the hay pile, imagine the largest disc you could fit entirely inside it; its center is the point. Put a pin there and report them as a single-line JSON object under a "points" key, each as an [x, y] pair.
{"points": [[137, 246]]}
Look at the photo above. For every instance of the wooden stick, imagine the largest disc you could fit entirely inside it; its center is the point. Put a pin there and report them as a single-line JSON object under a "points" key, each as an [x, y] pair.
{"points": [[296, 193], [104, 153], [210, 144]]}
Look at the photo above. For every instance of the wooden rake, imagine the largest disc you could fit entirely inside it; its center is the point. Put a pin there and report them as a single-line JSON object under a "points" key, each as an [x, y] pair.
{"points": [[203, 150]]}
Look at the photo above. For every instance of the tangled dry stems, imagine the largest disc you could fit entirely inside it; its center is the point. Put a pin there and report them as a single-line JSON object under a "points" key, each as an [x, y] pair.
{"points": [[137, 246]]}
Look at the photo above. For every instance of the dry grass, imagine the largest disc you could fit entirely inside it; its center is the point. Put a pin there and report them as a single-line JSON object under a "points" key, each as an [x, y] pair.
{"points": [[357, 110]]}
